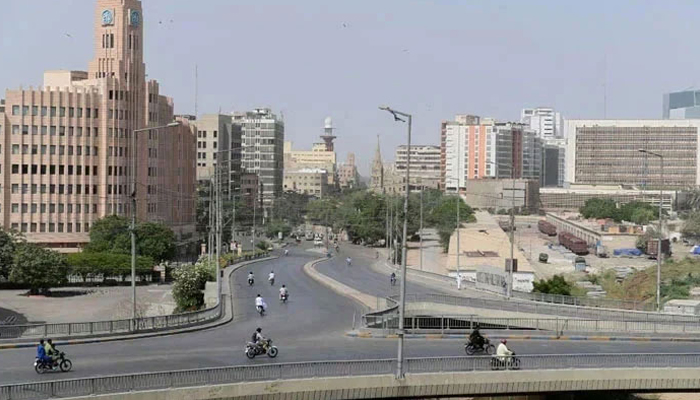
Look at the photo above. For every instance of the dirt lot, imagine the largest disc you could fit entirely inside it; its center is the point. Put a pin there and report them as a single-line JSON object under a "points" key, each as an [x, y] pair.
{"points": [[532, 243]]}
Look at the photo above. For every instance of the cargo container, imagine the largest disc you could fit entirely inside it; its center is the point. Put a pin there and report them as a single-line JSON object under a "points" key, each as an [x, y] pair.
{"points": [[571, 242], [547, 228], [653, 248]]}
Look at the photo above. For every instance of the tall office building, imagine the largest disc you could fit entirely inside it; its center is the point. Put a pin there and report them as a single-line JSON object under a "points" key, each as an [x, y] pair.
{"points": [[681, 105], [479, 148], [606, 152], [67, 149], [425, 165], [546, 122], [348, 177], [262, 141]]}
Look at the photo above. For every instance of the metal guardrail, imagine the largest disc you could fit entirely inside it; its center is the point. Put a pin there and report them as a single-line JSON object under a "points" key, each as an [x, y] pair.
{"points": [[549, 309], [325, 369], [561, 326], [121, 326]]}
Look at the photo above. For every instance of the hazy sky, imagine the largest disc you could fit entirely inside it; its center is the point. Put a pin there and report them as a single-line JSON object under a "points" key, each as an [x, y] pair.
{"points": [[316, 58]]}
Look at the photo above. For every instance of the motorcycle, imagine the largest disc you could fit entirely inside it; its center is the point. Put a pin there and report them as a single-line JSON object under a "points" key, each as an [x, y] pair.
{"points": [[261, 310], [505, 362], [252, 349], [272, 281], [471, 348], [64, 364], [284, 297], [251, 281], [393, 280]]}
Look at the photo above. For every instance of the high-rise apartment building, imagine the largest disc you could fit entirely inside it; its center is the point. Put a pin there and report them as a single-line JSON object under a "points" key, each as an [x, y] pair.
{"points": [[68, 151], [262, 141], [606, 152], [348, 176], [681, 105], [425, 165], [546, 122]]}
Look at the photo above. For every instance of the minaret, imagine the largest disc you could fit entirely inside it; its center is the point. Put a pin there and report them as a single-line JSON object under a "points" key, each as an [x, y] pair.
{"points": [[328, 136], [377, 180]]}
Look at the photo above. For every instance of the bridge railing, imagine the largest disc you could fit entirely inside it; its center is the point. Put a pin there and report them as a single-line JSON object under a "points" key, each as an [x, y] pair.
{"points": [[548, 309], [326, 369], [465, 323]]}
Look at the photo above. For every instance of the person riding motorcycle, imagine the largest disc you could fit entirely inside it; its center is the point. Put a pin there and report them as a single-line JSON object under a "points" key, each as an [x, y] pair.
{"points": [[251, 277], [258, 338], [349, 261], [41, 353], [259, 303], [51, 352], [502, 352], [286, 252], [476, 338], [283, 292], [392, 278], [271, 276]]}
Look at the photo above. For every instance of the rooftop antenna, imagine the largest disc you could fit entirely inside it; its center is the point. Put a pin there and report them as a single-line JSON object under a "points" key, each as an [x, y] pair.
{"points": [[605, 85]]}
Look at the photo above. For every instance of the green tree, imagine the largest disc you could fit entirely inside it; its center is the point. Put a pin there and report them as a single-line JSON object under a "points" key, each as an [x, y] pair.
{"points": [[8, 243], [554, 285], [155, 240], [444, 218], [642, 216], [86, 264], [691, 226], [38, 268], [600, 208], [273, 228], [111, 235], [189, 285]]}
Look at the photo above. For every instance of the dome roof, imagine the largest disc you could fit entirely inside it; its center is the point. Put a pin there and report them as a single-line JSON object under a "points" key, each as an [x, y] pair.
{"points": [[328, 123]]}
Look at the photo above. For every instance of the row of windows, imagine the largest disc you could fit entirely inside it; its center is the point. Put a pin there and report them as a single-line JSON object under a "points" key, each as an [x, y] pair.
{"points": [[42, 169], [45, 110], [53, 130], [53, 189], [118, 114], [51, 227], [34, 149], [35, 208]]}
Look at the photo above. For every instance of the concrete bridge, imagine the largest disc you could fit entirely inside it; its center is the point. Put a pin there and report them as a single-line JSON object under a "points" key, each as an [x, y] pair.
{"points": [[367, 379]]}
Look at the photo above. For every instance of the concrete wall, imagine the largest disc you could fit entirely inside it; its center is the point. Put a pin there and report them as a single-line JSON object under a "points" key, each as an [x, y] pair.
{"points": [[468, 383]]}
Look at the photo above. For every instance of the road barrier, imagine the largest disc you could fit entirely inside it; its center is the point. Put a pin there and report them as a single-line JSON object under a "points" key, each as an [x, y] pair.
{"points": [[327, 369], [121, 326]]}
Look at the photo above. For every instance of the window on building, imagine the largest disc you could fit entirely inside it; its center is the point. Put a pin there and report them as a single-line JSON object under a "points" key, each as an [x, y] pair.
{"points": [[15, 110], [61, 111]]}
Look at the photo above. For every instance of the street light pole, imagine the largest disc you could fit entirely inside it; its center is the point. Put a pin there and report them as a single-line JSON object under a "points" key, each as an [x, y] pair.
{"points": [[402, 303], [661, 227], [132, 228], [422, 188]]}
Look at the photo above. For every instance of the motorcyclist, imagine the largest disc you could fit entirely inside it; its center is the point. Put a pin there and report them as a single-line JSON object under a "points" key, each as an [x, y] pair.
{"points": [[41, 353], [271, 277], [259, 303], [51, 352], [392, 278], [251, 277], [286, 252], [476, 338], [502, 352], [258, 338], [283, 292], [349, 261]]}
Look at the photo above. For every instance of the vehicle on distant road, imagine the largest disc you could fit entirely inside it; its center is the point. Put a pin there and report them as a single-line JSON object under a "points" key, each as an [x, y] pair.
{"points": [[266, 347]]}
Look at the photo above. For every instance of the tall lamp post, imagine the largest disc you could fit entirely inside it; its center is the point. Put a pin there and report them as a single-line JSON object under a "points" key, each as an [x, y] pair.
{"points": [[661, 228], [133, 210], [397, 117]]}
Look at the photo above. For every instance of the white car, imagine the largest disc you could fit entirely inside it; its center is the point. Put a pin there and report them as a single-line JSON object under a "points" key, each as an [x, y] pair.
{"points": [[318, 242]]}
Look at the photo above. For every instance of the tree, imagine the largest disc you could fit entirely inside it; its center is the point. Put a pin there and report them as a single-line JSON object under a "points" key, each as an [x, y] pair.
{"points": [[111, 235], [107, 265], [189, 284], [155, 240], [691, 226], [600, 208], [275, 226], [643, 216], [554, 285], [8, 244], [38, 268], [444, 218]]}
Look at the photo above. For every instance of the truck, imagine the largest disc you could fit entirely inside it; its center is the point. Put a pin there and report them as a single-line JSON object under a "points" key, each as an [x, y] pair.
{"points": [[580, 264], [601, 251], [547, 228], [574, 244], [653, 248]]}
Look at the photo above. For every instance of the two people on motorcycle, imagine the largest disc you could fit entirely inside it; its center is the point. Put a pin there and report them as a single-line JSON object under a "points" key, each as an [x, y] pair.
{"points": [[283, 293], [47, 353]]}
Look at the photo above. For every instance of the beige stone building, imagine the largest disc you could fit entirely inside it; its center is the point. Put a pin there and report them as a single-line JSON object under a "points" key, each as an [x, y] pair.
{"points": [[309, 181], [67, 156], [318, 158], [348, 177]]}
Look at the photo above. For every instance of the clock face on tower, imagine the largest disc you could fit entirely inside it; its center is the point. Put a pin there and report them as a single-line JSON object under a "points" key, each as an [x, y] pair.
{"points": [[107, 17], [135, 18]]}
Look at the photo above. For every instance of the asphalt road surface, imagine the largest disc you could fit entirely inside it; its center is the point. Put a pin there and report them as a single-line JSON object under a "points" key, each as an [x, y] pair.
{"points": [[310, 326]]}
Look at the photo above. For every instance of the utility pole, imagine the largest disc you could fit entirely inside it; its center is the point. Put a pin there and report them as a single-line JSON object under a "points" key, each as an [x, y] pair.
{"points": [[422, 188], [218, 232], [386, 234], [210, 236], [391, 232], [460, 170], [509, 284]]}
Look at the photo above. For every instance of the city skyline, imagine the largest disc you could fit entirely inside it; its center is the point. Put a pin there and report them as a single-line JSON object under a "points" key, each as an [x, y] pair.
{"points": [[347, 60]]}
